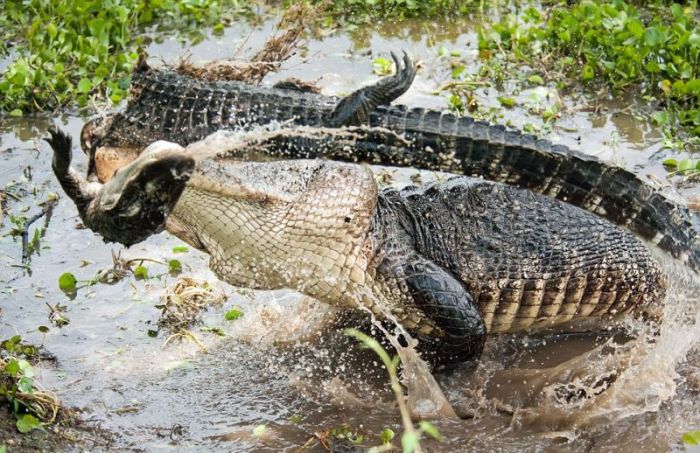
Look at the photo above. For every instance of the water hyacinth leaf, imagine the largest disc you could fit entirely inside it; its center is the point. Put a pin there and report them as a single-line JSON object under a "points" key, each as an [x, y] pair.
{"points": [[233, 314], [430, 429], [67, 282], [27, 423], [535, 79], [12, 367], [84, 86], [387, 435], [691, 438], [409, 441], [686, 165], [141, 273], [174, 266], [670, 162], [180, 249], [506, 102], [43, 329], [26, 385], [382, 66], [588, 73]]}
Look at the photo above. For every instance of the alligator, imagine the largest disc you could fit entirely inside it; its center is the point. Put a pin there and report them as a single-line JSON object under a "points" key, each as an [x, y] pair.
{"points": [[439, 260], [165, 105]]}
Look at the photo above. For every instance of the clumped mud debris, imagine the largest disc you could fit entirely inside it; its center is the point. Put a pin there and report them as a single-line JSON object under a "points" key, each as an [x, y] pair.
{"points": [[277, 49]]}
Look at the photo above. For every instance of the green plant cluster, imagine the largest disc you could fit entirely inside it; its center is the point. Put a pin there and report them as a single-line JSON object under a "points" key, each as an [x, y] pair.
{"points": [[364, 11], [65, 52], [17, 385], [655, 50]]}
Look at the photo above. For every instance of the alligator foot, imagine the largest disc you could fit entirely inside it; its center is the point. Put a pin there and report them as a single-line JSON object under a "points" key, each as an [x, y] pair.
{"points": [[446, 303], [354, 109]]}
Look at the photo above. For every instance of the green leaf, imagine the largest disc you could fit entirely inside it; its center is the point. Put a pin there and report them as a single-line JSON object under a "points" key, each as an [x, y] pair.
{"points": [[174, 266], [26, 385], [387, 435], [141, 273], [587, 73], [535, 79], [84, 86], [382, 66], [180, 249], [43, 329], [686, 165], [430, 429], [16, 112], [152, 333], [653, 37], [67, 282], [233, 314], [12, 367], [27, 423], [259, 430], [691, 438], [506, 102], [670, 162], [409, 441]]}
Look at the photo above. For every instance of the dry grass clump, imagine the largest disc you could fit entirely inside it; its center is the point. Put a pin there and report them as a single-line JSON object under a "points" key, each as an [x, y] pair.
{"points": [[182, 304], [276, 50]]}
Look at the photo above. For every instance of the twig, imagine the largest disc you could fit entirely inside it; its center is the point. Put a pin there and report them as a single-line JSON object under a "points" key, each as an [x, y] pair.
{"points": [[25, 235]]}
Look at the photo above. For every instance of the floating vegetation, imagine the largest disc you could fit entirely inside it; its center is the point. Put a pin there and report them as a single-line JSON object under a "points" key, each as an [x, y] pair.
{"points": [[183, 303], [32, 406], [653, 50], [70, 52]]}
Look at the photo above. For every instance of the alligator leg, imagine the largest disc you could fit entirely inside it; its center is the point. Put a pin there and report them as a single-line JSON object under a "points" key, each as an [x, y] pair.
{"points": [[354, 109], [136, 202], [445, 301]]}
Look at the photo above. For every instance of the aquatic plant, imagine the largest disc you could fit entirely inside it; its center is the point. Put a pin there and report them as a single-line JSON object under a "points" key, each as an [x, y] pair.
{"points": [[31, 405], [410, 439], [653, 51], [68, 52]]}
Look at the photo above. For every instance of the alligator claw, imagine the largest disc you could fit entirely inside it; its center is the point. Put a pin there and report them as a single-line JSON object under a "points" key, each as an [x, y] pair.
{"points": [[355, 108], [62, 145]]}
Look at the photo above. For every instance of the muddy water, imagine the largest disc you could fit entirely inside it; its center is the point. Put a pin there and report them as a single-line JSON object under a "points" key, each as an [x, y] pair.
{"points": [[279, 366]]}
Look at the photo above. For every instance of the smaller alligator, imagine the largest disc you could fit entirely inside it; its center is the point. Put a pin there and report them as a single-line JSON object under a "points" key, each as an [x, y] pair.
{"points": [[449, 262], [165, 105]]}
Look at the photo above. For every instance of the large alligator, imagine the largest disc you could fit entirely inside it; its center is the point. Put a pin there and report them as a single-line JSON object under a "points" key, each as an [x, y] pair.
{"points": [[449, 262], [165, 105]]}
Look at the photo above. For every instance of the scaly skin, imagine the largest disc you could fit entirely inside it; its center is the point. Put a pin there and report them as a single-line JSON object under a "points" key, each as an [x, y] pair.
{"points": [[168, 106], [441, 260]]}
